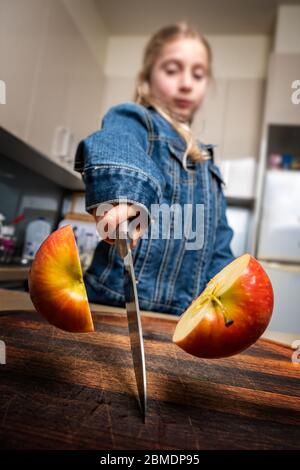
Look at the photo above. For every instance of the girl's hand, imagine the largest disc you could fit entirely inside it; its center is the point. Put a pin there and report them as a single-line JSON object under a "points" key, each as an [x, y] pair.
{"points": [[107, 223]]}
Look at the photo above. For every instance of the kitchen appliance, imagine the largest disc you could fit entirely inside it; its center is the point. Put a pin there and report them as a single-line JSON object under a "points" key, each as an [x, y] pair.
{"points": [[279, 246], [36, 232], [279, 237], [278, 229], [86, 237], [133, 313], [286, 285]]}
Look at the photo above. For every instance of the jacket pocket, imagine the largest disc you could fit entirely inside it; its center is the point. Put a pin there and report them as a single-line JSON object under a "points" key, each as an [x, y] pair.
{"points": [[178, 153]]}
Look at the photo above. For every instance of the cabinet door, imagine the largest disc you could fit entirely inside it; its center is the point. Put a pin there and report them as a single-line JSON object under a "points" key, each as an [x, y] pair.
{"points": [[208, 125], [22, 31], [243, 117], [83, 100], [84, 93], [284, 69], [53, 80], [231, 117]]}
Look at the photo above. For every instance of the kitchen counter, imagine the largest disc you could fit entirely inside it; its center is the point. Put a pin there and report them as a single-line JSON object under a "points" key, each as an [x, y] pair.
{"points": [[77, 391], [13, 273]]}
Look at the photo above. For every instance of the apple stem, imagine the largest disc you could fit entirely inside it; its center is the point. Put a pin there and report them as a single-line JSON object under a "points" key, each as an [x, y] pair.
{"points": [[227, 320], [200, 302]]}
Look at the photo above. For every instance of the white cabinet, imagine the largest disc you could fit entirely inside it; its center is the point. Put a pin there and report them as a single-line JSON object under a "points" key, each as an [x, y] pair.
{"points": [[243, 117], [69, 86], [231, 117], [22, 31], [83, 103], [284, 69], [53, 81]]}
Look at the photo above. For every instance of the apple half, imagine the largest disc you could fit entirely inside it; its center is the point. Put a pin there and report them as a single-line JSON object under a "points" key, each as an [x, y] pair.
{"points": [[56, 285], [231, 313]]}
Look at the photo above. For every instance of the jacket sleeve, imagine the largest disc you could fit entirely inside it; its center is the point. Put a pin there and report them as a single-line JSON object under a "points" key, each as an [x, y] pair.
{"points": [[222, 253], [114, 161]]}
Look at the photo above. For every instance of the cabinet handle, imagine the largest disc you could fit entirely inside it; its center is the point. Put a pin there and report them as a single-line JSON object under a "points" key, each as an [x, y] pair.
{"points": [[61, 143]]}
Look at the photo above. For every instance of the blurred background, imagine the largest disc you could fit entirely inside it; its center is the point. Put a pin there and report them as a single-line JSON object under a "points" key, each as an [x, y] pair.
{"points": [[63, 63]]}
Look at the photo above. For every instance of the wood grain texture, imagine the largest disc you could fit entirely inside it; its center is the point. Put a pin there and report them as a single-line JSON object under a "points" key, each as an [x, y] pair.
{"points": [[77, 391]]}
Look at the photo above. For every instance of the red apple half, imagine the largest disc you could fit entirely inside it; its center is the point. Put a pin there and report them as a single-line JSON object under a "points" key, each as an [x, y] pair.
{"points": [[56, 283], [230, 314]]}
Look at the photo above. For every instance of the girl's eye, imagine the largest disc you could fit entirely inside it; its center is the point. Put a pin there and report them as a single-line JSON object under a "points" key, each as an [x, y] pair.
{"points": [[198, 77], [171, 71]]}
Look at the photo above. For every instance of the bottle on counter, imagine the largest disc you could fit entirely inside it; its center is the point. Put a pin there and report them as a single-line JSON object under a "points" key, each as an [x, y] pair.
{"points": [[7, 243]]}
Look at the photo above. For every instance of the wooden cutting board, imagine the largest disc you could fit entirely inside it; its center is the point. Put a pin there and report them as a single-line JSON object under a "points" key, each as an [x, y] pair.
{"points": [[77, 391]]}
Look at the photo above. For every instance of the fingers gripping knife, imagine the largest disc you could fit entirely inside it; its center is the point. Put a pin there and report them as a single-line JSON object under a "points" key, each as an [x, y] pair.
{"points": [[133, 313]]}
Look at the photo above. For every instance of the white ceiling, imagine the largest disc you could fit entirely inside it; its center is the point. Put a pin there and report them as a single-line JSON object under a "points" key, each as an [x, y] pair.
{"points": [[143, 17]]}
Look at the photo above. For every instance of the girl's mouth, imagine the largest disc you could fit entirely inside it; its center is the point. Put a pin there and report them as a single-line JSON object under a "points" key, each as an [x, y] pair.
{"points": [[183, 103]]}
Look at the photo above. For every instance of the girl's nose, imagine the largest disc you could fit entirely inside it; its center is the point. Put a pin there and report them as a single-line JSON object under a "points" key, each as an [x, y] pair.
{"points": [[185, 81]]}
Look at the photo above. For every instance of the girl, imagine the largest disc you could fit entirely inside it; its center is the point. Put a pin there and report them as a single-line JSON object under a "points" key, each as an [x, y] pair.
{"points": [[145, 157]]}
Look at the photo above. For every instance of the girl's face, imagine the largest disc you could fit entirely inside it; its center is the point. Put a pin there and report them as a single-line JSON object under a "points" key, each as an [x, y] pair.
{"points": [[179, 77]]}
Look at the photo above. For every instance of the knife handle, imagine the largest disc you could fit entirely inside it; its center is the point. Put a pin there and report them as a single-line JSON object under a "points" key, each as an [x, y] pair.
{"points": [[123, 238], [122, 230]]}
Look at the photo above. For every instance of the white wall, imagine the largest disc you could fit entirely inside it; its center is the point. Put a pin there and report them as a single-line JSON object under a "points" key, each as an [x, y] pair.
{"points": [[287, 38], [91, 26], [234, 56]]}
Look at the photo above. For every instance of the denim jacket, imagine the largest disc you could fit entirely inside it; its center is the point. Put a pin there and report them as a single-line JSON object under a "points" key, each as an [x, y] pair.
{"points": [[137, 156]]}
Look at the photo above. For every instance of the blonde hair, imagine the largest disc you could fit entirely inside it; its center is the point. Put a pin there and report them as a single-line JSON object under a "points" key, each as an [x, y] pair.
{"points": [[142, 92]]}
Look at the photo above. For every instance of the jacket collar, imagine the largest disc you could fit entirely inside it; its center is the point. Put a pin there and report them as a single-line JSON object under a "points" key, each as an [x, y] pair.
{"points": [[175, 142]]}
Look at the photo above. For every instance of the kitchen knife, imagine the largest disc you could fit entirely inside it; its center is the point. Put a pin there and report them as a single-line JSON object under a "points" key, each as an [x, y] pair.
{"points": [[133, 313]]}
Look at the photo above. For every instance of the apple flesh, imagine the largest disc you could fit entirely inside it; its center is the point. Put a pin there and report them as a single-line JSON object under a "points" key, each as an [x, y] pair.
{"points": [[56, 283], [231, 313]]}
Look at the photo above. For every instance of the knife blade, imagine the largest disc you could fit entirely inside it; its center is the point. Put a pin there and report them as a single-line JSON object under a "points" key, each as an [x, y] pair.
{"points": [[133, 314]]}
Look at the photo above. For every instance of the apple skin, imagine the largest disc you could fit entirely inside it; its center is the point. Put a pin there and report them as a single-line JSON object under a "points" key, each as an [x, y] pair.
{"points": [[249, 303], [56, 283]]}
